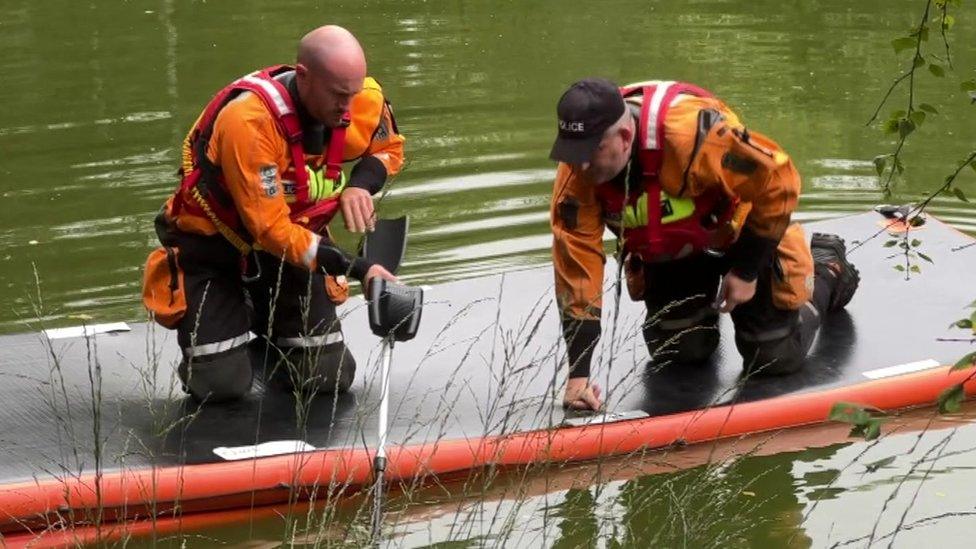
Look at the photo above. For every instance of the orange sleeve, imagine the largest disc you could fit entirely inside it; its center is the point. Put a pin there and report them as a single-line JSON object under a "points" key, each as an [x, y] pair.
{"points": [[746, 164], [577, 246], [374, 138], [758, 171], [387, 143], [252, 155]]}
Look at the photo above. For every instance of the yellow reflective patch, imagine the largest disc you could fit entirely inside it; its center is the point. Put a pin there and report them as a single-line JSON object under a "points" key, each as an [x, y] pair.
{"points": [[672, 209], [320, 187]]}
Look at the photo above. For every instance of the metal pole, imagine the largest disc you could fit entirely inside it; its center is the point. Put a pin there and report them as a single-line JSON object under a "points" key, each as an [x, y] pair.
{"points": [[379, 462]]}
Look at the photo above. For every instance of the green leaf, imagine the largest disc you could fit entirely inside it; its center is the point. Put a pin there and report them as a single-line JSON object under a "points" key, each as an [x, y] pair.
{"points": [[964, 362], [917, 117], [903, 43], [936, 70], [972, 318], [950, 400], [916, 221], [890, 243], [869, 430], [879, 163], [963, 323], [919, 62], [973, 165], [948, 21], [873, 430], [875, 465], [968, 85], [959, 194], [900, 268], [849, 412], [928, 108], [915, 243], [915, 269], [925, 257], [905, 128]]}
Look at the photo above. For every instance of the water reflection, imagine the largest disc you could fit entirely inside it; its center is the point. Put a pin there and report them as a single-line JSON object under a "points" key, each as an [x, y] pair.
{"points": [[86, 163]]}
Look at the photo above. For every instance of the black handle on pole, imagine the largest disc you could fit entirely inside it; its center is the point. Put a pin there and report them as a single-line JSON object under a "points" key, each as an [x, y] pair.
{"points": [[379, 466]]}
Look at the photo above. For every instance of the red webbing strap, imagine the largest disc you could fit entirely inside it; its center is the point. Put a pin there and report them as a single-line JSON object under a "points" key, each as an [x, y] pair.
{"points": [[336, 150], [652, 159]]}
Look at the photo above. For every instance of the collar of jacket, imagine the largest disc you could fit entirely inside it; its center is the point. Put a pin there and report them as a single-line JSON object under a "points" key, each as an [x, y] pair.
{"points": [[314, 134]]}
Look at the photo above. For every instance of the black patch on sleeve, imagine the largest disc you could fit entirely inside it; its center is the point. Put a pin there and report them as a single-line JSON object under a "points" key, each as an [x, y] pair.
{"points": [[581, 336], [569, 212], [738, 164], [369, 174], [750, 253]]}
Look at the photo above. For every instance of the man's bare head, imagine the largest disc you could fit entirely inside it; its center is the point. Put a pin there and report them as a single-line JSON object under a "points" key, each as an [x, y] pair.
{"points": [[330, 70]]}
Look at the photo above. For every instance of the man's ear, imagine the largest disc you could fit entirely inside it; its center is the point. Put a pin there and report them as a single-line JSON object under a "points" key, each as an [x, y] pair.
{"points": [[627, 133], [301, 71]]}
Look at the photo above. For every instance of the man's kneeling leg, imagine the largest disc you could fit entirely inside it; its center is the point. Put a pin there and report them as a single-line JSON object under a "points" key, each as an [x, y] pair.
{"points": [[217, 377], [774, 357], [682, 340], [312, 368]]}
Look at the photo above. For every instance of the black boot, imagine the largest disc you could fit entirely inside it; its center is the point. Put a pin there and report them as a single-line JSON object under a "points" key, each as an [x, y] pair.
{"points": [[829, 250]]}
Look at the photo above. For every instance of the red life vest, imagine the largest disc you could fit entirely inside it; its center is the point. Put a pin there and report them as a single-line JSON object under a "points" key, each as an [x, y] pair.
{"points": [[667, 234], [202, 181]]}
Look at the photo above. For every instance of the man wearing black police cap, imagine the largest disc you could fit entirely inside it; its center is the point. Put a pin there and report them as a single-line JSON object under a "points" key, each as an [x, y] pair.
{"points": [[702, 208]]}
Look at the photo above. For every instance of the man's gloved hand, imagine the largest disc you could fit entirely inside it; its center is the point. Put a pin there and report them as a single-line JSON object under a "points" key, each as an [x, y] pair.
{"points": [[377, 270], [335, 262]]}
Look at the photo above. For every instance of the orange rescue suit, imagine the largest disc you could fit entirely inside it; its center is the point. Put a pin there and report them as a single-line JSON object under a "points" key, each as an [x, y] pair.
{"points": [[251, 154], [765, 185]]}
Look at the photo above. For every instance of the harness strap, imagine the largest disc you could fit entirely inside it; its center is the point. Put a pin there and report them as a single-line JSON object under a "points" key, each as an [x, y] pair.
{"points": [[337, 145], [222, 228]]}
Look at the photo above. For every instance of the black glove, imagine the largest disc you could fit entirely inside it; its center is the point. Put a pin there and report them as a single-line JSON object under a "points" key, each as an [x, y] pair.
{"points": [[336, 262]]}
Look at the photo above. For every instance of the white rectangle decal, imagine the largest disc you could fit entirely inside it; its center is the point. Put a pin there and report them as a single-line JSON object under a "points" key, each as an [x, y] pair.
{"points": [[86, 331], [265, 449], [902, 369]]}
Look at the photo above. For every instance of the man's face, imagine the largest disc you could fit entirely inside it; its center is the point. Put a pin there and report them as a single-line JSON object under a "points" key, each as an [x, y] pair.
{"points": [[327, 96], [609, 158]]}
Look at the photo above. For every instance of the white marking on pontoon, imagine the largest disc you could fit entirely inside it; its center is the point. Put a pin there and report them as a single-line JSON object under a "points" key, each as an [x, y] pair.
{"points": [[86, 331], [265, 449], [902, 369]]}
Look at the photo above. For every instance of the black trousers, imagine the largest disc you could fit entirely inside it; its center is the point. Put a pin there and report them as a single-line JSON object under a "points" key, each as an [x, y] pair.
{"points": [[682, 324], [281, 320]]}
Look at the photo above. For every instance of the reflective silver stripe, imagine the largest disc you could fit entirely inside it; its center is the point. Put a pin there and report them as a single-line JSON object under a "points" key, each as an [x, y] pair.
{"points": [[309, 256], [310, 341], [768, 335], [218, 346], [272, 91], [650, 140], [686, 322]]}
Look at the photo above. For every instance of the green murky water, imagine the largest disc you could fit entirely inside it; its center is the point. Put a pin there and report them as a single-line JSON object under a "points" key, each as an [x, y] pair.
{"points": [[96, 96]]}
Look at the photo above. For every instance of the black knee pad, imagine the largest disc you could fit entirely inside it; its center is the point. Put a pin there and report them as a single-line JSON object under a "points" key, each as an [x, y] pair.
{"points": [[328, 369], [770, 358], [690, 345], [217, 378]]}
